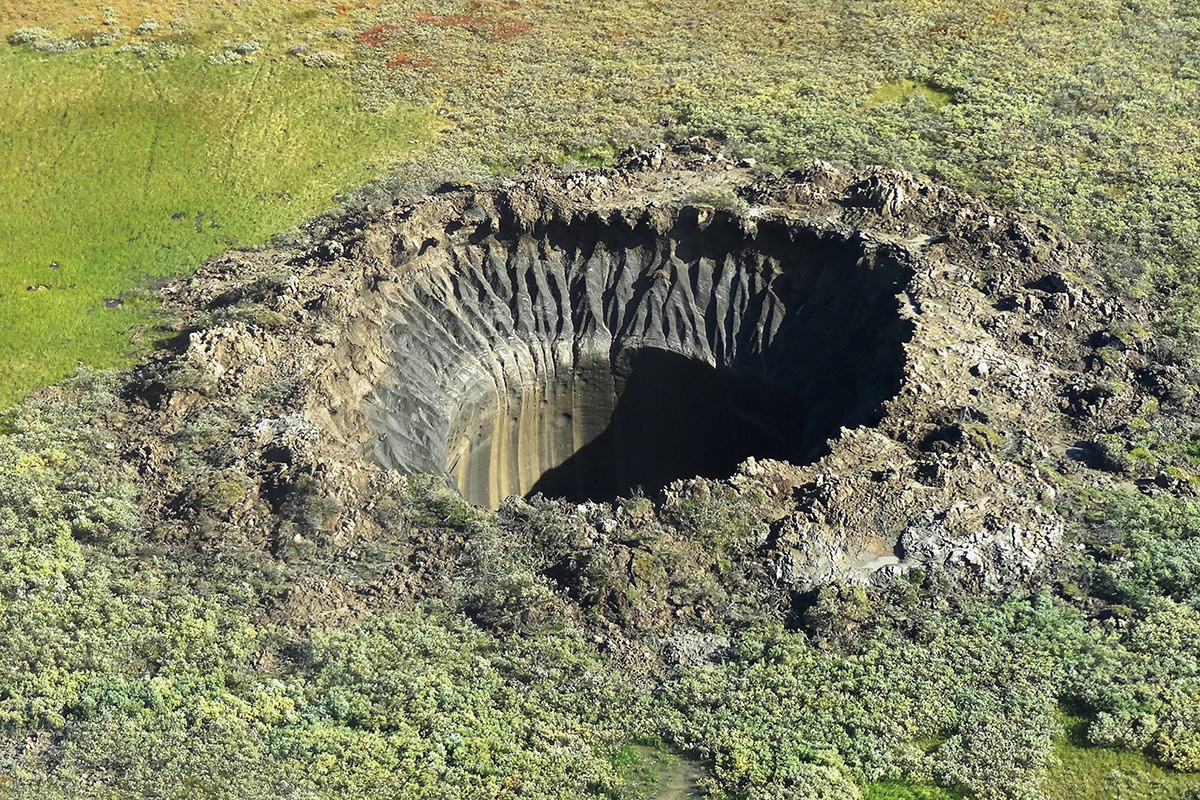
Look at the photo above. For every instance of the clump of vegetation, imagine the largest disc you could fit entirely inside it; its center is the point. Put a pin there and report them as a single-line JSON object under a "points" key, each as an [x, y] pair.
{"points": [[43, 41], [1141, 548], [322, 59], [236, 53], [38, 39], [719, 198], [1112, 453]]}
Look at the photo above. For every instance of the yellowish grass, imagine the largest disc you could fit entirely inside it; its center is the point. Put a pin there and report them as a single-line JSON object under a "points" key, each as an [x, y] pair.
{"points": [[132, 12]]}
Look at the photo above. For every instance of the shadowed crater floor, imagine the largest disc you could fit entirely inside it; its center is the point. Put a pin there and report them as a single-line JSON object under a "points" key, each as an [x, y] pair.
{"points": [[598, 355]]}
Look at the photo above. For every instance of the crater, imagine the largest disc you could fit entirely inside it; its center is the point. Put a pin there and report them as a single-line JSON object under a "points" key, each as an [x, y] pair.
{"points": [[593, 355], [902, 361]]}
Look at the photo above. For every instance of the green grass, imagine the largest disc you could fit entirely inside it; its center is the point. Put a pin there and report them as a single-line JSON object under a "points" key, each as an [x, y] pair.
{"points": [[1086, 772], [655, 773], [1085, 113], [1083, 772], [119, 173], [900, 92], [901, 790]]}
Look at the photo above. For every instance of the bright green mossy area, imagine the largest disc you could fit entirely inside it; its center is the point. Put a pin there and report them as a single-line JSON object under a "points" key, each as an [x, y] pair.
{"points": [[899, 790], [1086, 772], [900, 92], [119, 173]]}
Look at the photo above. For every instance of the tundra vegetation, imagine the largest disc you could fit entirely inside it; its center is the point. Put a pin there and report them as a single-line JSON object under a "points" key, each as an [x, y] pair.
{"points": [[139, 138], [139, 663]]}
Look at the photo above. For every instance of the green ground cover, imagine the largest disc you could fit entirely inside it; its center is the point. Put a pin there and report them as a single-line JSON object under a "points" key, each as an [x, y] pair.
{"points": [[1086, 772], [900, 790], [113, 174], [903, 92], [134, 667]]}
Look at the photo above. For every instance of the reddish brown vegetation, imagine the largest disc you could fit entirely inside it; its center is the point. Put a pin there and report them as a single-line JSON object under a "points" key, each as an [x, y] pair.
{"points": [[477, 21], [468, 22], [378, 35], [945, 29], [403, 59], [509, 30]]}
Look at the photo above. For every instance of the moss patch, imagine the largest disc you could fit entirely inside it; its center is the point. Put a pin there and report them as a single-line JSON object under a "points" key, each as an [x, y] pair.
{"points": [[902, 790], [900, 92], [114, 174]]}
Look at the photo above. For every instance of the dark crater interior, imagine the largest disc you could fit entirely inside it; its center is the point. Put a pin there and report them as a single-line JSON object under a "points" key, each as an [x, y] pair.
{"points": [[595, 356]]}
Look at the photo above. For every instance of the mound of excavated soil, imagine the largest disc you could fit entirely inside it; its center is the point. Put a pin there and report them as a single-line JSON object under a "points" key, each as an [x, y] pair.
{"points": [[895, 366]]}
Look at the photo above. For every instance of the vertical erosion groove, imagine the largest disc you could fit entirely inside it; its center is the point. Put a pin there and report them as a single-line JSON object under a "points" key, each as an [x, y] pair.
{"points": [[584, 359]]}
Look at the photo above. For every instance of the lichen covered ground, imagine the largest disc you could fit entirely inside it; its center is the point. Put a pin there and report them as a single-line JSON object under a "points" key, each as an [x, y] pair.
{"points": [[205, 591]]}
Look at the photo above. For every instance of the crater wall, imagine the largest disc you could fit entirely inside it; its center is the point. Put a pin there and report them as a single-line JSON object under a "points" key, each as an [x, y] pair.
{"points": [[595, 356]]}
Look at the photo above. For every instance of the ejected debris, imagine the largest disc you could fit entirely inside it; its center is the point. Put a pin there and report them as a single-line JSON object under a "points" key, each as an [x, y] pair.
{"points": [[587, 336]]}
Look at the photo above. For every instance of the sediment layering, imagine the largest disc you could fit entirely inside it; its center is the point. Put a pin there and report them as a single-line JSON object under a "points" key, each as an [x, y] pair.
{"points": [[590, 357]]}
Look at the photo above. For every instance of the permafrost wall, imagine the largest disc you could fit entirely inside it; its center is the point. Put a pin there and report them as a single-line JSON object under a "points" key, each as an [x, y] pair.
{"points": [[592, 357]]}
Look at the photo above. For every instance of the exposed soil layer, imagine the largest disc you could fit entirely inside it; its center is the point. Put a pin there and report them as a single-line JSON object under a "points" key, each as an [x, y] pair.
{"points": [[835, 375], [588, 358]]}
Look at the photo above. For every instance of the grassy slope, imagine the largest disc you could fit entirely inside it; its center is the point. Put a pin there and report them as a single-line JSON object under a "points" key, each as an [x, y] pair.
{"points": [[898, 790], [1086, 772], [119, 173], [1082, 772]]}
